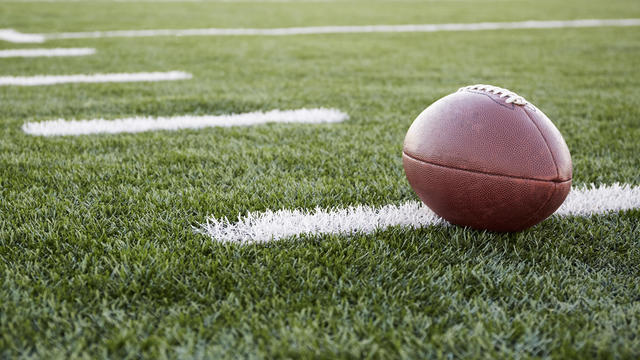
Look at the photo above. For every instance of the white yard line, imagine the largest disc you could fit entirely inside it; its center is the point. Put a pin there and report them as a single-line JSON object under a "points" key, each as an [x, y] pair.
{"points": [[13, 36], [92, 78], [532, 24], [208, 1], [140, 124], [259, 227], [46, 52], [236, 1]]}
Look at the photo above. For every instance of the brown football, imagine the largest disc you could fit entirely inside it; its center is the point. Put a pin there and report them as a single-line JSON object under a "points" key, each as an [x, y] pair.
{"points": [[486, 158]]}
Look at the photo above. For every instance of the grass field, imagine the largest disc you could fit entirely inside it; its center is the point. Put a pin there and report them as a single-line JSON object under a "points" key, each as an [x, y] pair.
{"points": [[98, 253]]}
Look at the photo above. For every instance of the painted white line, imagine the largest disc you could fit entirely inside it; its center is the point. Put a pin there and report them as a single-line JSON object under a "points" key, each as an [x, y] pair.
{"points": [[233, 1], [200, 1], [140, 124], [13, 36], [533, 24], [592, 200], [92, 78], [259, 227], [46, 52]]}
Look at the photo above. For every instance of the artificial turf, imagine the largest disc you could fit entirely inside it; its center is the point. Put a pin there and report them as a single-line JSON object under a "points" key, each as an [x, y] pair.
{"points": [[98, 253]]}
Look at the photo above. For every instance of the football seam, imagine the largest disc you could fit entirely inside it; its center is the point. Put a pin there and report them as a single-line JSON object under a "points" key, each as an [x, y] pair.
{"points": [[555, 163], [543, 206], [483, 172], [484, 93]]}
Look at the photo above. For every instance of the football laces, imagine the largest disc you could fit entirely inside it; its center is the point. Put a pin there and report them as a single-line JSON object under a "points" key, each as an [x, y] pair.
{"points": [[510, 96]]}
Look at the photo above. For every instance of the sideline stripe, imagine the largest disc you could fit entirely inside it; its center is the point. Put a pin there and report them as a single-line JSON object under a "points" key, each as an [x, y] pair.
{"points": [[532, 24], [140, 124], [92, 78], [259, 227], [46, 52]]}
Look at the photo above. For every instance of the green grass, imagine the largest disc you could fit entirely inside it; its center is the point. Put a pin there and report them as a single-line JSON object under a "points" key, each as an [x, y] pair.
{"points": [[98, 257]]}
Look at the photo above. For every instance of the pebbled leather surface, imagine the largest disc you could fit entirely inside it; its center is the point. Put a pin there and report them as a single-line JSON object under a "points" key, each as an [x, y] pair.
{"points": [[477, 161], [479, 131], [555, 142], [483, 201]]}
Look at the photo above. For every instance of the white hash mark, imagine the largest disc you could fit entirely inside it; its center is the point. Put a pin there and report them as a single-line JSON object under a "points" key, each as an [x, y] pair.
{"points": [[38, 80], [46, 52], [141, 124], [260, 227]]}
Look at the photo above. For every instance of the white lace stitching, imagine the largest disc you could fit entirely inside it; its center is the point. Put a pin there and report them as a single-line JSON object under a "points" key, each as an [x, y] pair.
{"points": [[504, 93]]}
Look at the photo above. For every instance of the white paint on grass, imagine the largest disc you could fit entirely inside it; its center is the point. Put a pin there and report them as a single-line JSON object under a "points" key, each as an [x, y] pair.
{"points": [[532, 24], [13, 36], [235, 1], [46, 52], [140, 124], [92, 78], [592, 200], [201, 1], [259, 227]]}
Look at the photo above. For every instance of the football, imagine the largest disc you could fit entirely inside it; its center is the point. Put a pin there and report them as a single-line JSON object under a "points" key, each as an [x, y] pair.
{"points": [[486, 158]]}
